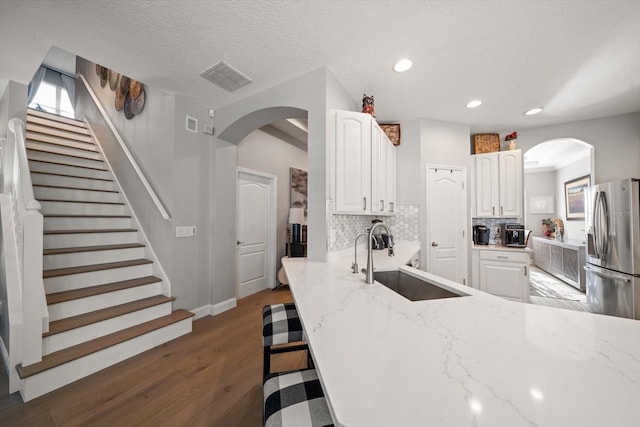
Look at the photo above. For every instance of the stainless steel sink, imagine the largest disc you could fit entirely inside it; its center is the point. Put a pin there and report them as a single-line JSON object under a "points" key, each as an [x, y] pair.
{"points": [[413, 288]]}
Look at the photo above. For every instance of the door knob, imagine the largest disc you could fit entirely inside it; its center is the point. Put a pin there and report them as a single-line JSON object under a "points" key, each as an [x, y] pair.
{"points": [[238, 242], [434, 244]]}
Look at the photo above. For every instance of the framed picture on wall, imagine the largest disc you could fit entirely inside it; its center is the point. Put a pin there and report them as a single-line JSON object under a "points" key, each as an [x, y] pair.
{"points": [[575, 197]]}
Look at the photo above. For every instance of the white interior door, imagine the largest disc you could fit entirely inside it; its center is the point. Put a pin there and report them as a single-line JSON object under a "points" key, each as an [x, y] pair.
{"points": [[446, 222], [255, 232]]}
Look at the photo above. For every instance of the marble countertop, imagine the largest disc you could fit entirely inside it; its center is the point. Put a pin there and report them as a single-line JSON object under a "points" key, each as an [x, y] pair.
{"points": [[477, 360]]}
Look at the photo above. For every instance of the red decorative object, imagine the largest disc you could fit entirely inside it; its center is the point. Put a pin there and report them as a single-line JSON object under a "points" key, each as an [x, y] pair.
{"points": [[511, 136], [367, 105]]}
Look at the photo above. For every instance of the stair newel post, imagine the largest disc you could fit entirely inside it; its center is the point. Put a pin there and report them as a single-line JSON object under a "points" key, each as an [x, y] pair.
{"points": [[35, 319], [30, 224]]}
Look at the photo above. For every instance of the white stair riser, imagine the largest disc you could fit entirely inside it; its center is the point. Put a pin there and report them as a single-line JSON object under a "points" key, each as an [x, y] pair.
{"points": [[31, 127], [35, 166], [72, 223], [52, 241], [77, 195], [61, 149], [88, 258], [82, 129], [95, 330], [43, 138], [83, 280], [67, 160], [75, 307], [68, 181], [78, 208], [54, 378], [31, 114]]}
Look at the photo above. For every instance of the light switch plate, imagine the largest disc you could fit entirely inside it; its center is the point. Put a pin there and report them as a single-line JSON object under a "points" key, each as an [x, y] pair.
{"points": [[186, 231]]}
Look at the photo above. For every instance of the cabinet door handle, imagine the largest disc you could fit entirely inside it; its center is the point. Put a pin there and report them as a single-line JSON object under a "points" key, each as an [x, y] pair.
{"points": [[503, 257], [493, 210], [392, 207], [381, 205], [501, 211], [364, 200], [525, 271]]}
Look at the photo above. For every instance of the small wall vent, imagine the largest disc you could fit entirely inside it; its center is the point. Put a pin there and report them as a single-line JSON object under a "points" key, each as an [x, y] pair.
{"points": [[225, 76]]}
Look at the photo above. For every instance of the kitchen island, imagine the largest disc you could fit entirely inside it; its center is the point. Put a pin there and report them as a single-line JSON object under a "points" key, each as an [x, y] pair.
{"points": [[475, 360]]}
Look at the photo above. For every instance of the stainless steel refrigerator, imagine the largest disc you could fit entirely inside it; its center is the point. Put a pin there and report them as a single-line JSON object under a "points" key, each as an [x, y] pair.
{"points": [[613, 249]]}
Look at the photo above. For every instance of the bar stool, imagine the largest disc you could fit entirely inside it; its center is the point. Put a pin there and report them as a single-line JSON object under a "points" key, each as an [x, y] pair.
{"points": [[295, 399], [280, 325]]}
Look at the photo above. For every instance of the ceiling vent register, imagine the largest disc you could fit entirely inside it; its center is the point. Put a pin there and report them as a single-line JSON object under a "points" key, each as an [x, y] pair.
{"points": [[225, 76]]}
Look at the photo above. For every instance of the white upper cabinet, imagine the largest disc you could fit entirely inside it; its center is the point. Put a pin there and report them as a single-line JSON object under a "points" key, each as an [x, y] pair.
{"points": [[364, 166], [499, 184]]}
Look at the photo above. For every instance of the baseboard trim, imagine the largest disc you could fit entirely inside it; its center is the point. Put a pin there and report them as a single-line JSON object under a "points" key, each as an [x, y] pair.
{"points": [[214, 309]]}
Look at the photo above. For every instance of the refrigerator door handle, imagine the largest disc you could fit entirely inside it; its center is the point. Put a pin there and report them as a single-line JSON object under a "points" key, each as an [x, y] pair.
{"points": [[594, 224], [605, 232], [601, 273]]}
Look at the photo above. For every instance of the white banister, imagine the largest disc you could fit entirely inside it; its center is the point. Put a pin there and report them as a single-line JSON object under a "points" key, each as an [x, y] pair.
{"points": [[29, 233], [123, 145]]}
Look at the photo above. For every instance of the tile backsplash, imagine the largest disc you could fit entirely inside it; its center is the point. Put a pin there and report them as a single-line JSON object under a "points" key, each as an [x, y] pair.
{"points": [[493, 224], [405, 226]]}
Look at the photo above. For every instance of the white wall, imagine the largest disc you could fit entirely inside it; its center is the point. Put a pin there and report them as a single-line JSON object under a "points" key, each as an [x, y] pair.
{"points": [[408, 163], [263, 152], [539, 184]]}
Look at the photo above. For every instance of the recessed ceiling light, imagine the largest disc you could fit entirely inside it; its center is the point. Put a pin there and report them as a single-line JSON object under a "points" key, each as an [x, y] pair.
{"points": [[533, 111], [474, 103], [402, 65]]}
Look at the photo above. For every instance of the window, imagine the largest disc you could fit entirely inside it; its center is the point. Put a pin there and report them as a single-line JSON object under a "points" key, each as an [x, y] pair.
{"points": [[53, 99]]}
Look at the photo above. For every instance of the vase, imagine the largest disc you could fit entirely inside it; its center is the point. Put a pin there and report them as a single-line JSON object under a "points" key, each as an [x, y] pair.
{"points": [[512, 144]]}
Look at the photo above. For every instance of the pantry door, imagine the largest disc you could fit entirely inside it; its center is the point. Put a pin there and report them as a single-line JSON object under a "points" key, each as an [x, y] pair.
{"points": [[256, 232], [447, 222]]}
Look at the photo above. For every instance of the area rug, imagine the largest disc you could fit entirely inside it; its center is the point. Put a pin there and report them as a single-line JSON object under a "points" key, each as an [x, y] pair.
{"points": [[542, 284]]}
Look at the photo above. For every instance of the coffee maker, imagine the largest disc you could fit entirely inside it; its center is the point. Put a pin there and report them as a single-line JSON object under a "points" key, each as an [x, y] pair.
{"points": [[481, 234], [513, 235]]}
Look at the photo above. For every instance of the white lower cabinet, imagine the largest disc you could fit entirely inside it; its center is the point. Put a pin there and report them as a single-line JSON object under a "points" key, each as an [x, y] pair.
{"points": [[503, 273]]}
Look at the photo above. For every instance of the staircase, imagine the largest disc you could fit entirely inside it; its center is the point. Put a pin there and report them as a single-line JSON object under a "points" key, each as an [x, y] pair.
{"points": [[105, 303]]}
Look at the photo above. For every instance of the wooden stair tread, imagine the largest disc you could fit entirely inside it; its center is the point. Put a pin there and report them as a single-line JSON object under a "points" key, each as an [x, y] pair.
{"points": [[39, 150], [75, 188], [57, 272], [77, 351], [73, 250], [70, 176], [80, 201], [58, 297], [54, 117], [44, 138], [90, 231], [63, 325], [52, 130], [70, 165]]}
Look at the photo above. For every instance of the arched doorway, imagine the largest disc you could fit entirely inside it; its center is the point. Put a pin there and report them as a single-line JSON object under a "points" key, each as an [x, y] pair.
{"points": [[547, 167], [263, 145]]}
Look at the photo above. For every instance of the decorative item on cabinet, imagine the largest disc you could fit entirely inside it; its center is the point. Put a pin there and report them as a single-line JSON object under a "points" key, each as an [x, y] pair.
{"points": [[392, 130], [367, 105], [511, 139], [486, 143]]}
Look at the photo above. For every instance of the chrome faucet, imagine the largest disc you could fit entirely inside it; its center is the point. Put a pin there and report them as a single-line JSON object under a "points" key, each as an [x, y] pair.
{"points": [[369, 278], [354, 266]]}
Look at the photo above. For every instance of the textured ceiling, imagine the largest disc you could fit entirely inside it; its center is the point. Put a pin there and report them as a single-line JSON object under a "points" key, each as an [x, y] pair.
{"points": [[578, 59]]}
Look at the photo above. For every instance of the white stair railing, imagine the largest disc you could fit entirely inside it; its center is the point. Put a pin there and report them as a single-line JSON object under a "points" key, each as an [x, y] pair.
{"points": [[28, 223], [156, 200]]}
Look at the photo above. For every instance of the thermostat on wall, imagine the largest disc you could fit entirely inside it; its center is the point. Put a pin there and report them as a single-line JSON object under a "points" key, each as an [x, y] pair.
{"points": [[192, 124]]}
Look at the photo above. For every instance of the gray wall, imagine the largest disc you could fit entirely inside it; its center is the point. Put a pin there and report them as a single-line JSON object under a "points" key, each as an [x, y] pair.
{"points": [[539, 184], [281, 156], [177, 163], [574, 229], [616, 142]]}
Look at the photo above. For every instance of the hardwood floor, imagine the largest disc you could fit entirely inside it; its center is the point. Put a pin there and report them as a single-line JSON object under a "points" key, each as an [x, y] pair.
{"points": [[211, 377]]}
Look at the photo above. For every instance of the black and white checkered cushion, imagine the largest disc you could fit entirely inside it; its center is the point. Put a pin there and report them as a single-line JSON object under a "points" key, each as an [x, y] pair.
{"points": [[295, 399], [280, 324]]}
